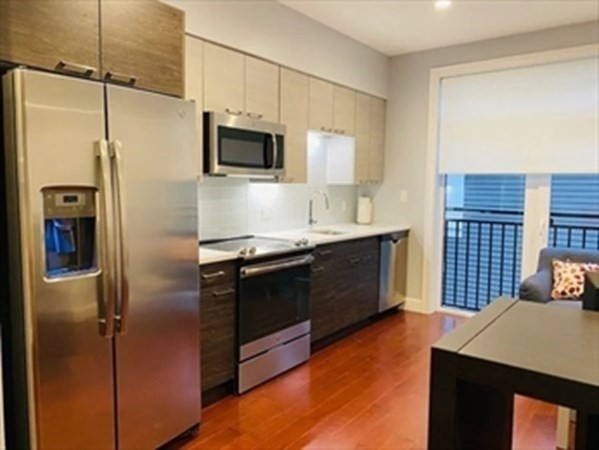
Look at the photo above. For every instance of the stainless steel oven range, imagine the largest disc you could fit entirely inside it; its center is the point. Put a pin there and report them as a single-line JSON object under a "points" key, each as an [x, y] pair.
{"points": [[273, 311]]}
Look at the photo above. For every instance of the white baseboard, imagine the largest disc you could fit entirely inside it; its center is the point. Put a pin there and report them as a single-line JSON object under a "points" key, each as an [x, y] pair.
{"points": [[416, 305]]}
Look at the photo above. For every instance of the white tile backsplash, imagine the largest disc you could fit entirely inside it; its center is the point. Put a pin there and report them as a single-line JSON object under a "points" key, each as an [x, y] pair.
{"points": [[236, 206]]}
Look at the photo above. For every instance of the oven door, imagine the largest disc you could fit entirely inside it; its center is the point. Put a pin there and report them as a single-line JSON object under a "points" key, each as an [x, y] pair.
{"points": [[274, 296]]}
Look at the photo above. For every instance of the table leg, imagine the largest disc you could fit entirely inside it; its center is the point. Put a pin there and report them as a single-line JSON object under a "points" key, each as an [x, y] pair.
{"points": [[485, 417], [464, 415], [587, 431]]}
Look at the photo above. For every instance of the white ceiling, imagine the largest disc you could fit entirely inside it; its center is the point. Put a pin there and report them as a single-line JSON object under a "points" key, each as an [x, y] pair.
{"points": [[394, 27]]}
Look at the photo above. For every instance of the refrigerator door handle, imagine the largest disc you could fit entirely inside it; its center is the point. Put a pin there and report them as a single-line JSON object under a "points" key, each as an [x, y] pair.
{"points": [[107, 251], [122, 314]]}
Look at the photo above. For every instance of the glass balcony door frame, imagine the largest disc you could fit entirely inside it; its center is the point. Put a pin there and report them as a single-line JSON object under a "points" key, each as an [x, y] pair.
{"points": [[537, 200]]}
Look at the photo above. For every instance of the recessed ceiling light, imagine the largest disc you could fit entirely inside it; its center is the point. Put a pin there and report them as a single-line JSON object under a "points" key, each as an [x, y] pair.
{"points": [[442, 4]]}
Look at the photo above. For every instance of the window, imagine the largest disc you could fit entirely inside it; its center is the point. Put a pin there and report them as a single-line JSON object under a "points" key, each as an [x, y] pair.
{"points": [[574, 211], [483, 238]]}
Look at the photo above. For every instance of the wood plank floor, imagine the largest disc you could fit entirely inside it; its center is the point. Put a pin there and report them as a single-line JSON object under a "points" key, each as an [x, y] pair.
{"points": [[367, 391]]}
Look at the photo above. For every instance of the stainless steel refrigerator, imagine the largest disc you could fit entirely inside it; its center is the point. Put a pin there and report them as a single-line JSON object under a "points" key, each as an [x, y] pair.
{"points": [[102, 237]]}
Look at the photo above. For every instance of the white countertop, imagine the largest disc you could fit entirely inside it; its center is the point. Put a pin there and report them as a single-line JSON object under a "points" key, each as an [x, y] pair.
{"points": [[349, 231], [213, 256]]}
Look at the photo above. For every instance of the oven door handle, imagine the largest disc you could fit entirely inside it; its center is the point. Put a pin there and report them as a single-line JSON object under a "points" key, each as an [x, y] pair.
{"points": [[275, 266]]}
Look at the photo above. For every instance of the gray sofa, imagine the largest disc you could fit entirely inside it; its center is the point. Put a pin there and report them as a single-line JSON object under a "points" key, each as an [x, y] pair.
{"points": [[537, 287]]}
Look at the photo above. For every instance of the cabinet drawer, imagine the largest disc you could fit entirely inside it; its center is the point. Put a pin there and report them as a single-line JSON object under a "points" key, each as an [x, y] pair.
{"points": [[218, 302], [219, 274]]}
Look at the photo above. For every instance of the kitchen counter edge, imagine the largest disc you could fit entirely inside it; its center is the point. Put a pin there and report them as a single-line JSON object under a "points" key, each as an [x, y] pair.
{"points": [[350, 232]]}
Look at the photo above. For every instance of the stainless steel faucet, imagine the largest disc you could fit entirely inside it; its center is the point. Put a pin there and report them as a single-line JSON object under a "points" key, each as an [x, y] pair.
{"points": [[311, 219]]}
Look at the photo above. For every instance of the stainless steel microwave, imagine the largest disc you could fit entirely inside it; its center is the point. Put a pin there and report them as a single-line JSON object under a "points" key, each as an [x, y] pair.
{"points": [[242, 146]]}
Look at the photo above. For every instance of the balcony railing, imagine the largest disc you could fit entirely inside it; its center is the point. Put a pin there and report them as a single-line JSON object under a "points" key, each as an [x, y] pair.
{"points": [[482, 251], [481, 258], [574, 230]]}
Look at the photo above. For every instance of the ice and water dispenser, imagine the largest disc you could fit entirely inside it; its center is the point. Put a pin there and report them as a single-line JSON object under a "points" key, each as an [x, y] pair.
{"points": [[69, 231]]}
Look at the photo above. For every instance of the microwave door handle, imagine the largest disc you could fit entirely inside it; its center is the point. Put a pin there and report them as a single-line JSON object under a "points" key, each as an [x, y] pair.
{"points": [[275, 151], [123, 251], [106, 249]]}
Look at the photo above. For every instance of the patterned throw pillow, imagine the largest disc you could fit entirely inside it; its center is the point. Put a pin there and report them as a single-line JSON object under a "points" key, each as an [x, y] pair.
{"points": [[568, 279]]}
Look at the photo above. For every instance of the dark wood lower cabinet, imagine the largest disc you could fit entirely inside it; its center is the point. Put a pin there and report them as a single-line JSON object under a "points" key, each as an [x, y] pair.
{"points": [[218, 302], [345, 285]]}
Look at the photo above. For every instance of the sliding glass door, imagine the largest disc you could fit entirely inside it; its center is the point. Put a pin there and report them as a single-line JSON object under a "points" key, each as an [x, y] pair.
{"points": [[482, 238], [574, 211], [493, 222]]}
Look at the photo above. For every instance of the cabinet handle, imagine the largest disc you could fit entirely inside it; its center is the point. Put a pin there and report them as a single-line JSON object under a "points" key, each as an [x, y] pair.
{"points": [[254, 115], [323, 128], [354, 261], [318, 269], [223, 293], [233, 112], [337, 131], [210, 276], [73, 68], [325, 252], [120, 78], [367, 258]]}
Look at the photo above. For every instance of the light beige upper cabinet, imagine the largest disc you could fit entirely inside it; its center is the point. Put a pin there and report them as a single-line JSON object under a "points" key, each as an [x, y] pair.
{"points": [[321, 105], [53, 34], [362, 136], [239, 84], [377, 139], [344, 110], [369, 139], [194, 88], [261, 89], [294, 114], [224, 80]]}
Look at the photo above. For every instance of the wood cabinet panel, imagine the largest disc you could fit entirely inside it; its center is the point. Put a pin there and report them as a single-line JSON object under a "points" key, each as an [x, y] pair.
{"points": [[142, 45], [323, 290], [294, 110], [377, 140], [218, 298], [261, 89], [321, 105], [224, 80], [344, 110], [42, 33], [344, 285], [362, 142]]}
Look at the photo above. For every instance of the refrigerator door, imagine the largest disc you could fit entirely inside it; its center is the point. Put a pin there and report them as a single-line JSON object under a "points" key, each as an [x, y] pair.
{"points": [[53, 122], [152, 139]]}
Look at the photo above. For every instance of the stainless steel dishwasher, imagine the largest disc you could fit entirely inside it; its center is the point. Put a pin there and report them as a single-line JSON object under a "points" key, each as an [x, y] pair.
{"points": [[392, 270]]}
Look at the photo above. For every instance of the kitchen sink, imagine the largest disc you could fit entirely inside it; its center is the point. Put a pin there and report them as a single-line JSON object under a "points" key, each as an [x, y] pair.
{"points": [[326, 231]]}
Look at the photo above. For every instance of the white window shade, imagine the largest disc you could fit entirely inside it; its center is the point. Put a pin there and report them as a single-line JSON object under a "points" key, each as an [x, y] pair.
{"points": [[538, 119]]}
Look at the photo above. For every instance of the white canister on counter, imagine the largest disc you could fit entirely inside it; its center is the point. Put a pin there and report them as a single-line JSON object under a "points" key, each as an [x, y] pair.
{"points": [[364, 210]]}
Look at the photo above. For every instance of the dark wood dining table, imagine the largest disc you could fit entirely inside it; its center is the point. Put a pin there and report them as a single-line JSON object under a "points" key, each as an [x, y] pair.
{"points": [[513, 347]]}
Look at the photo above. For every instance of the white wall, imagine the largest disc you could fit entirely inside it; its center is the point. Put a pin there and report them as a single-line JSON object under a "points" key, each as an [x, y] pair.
{"points": [[407, 124], [235, 206], [280, 34]]}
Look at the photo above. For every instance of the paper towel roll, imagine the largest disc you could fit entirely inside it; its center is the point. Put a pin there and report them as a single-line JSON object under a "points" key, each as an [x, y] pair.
{"points": [[364, 210]]}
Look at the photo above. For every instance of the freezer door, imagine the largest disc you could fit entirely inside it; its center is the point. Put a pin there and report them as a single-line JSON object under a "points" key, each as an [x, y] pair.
{"points": [[152, 139], [53, 122]]}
